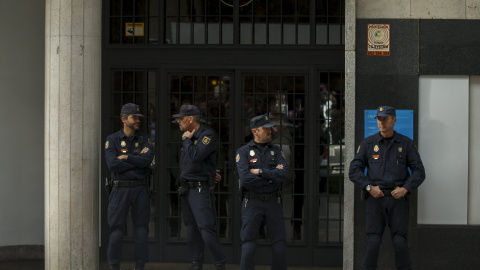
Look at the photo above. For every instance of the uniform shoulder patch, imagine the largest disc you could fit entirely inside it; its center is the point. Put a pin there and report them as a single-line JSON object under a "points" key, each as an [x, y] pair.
{"points": [[206, 140], [107, 144], [237, 158], [358, 149]]}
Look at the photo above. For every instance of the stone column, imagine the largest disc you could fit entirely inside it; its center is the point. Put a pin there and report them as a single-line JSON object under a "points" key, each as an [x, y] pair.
{"points": [[72, 133], [349, 194]]}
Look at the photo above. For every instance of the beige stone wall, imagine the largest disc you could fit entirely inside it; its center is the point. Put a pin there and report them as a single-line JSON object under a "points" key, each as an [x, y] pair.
{"points": [[418, 9]]}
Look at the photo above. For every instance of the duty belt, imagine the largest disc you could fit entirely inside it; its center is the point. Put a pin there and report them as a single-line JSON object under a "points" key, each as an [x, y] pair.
{"points": [[387, 192], [261, 196], [129, 183], [192, 184]]}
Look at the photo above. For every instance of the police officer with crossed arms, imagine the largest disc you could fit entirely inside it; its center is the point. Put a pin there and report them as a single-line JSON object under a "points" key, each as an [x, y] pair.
{"points": [[387, 155], [262, 168], [198, 172], [128, 154]]}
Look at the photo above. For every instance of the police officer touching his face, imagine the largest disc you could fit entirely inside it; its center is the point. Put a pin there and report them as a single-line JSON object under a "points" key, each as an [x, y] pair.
{"points": [[198, 171], [262, 168], [128, 154], [387, 156]]}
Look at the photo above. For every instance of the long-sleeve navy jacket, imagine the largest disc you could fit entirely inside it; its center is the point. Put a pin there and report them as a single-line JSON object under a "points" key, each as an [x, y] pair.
{"points": [[387, 163], [198, 156], [135, 167], [250, 156]]}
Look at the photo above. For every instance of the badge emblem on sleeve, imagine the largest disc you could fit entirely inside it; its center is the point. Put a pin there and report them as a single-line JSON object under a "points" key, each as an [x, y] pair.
{"points": [[237, 158], [106, 144], [206, 140]]}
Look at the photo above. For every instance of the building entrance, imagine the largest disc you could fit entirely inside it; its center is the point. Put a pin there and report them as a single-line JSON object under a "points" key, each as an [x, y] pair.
{"points": [[234, 59], [308, 114]]}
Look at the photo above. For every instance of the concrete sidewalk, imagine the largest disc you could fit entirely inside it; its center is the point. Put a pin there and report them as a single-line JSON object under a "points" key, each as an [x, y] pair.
{"points": [[40, 265]]}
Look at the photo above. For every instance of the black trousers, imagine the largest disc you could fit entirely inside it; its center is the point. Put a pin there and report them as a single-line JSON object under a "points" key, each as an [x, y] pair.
{"points": [[380, 212]]}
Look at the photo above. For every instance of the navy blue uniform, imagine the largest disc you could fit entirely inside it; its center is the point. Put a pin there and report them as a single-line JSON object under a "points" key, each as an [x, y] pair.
{"points": [[387, 162], [198, 165], [261, 199], [134, 198]]}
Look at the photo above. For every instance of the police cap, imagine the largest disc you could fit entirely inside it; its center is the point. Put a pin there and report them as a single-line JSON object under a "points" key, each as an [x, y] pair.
{"points": [[261, 121], [131, 108], [384, 111], [187, 110]]}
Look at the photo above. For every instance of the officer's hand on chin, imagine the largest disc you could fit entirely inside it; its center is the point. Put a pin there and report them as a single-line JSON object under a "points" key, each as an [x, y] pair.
{"points": [[376, 192], [188, 134]]}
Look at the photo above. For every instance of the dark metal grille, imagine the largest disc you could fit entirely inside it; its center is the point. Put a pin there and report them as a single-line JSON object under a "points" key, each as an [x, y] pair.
{"points": [[135, 86], [210, 92], [330, 129], [282, 98], [227, 22]]}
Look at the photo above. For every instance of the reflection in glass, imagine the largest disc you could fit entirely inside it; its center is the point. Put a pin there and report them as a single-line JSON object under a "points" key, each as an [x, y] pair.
{"points": [[191, 22], [136, 86], [330, 151], [210, 93]]}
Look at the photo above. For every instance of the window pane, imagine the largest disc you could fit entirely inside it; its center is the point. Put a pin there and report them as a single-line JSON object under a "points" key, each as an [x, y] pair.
{"points": [[435, 203], [321, 31], [172, 7], [140, 7], [245, 30], [115, 8], [127, 7], [303, 30], [213, 30], [289, 31], [288, 7], [275, 31], [227, 30]]}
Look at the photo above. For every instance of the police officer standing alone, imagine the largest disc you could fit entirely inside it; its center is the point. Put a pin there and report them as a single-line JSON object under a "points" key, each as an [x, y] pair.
{"points": [[387, 156], [262, 168], [128, 154], [198, 171]]}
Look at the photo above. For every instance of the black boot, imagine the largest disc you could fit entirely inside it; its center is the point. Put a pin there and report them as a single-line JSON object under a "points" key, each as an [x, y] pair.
{"points": [[220, 266], [196, 266]]}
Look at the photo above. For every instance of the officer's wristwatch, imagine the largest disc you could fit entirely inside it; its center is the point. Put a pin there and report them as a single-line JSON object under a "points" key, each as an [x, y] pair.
{"points": [[368, 187], [260, 171]]}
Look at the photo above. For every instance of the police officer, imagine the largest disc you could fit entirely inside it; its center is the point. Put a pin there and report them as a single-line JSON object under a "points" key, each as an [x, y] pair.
{"points": [[262, 168], [197, 176], [128, 154], [387, 156]]}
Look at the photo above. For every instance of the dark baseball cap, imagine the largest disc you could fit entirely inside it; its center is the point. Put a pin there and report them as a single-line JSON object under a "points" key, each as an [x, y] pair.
{"points": [[187, 110], [384, 111], [131, 108], [261, 121]]}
